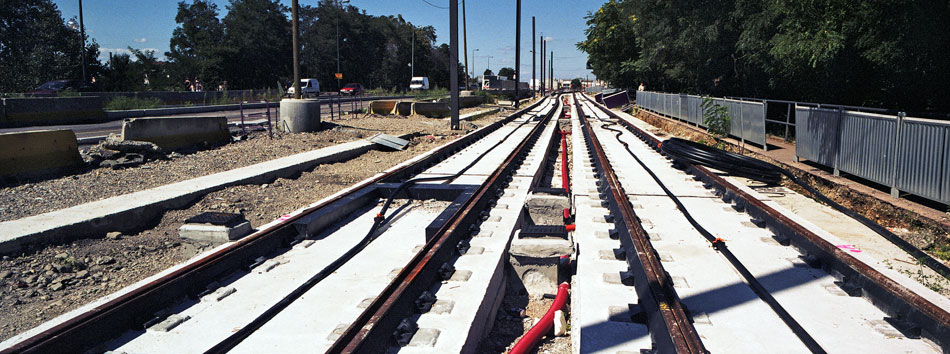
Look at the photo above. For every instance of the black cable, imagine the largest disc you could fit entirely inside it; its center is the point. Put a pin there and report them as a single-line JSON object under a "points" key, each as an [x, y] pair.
{"points": [[720, 246], [752, 168], [237, 337]]}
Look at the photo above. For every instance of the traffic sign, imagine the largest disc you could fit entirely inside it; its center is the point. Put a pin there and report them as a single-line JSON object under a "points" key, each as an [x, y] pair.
{"points": [[339, 76]]}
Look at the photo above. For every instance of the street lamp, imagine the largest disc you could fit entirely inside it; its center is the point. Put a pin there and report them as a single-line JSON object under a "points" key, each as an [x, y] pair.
{"points": [[489, 63], [473, 66]]}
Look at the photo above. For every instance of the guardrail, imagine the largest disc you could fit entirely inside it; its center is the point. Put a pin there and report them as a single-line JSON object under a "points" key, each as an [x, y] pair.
{"points": [[906, 154]]}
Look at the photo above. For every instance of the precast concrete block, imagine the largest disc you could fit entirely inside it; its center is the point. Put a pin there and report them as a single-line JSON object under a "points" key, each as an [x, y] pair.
{"points": [[177, 132], [431, 109], [299, 115], [536, 263], [38, 152], [547, 209], [404, 108], [384, 107], [214, 233]]}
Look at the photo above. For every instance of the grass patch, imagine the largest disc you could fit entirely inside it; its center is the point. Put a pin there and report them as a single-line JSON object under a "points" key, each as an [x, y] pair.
{"points": [[120, 103]]}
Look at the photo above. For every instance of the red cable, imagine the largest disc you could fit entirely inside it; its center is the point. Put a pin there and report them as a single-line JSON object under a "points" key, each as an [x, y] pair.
{"points": [[565, 182], [531, 339]]}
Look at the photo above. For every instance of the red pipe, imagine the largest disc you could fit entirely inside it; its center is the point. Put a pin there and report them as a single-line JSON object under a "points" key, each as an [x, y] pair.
{"points": [[531, 339], [565, 182]]}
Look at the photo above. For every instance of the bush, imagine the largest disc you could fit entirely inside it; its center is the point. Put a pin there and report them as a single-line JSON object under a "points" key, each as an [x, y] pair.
{"points": [[123, 103], [716, 118]]}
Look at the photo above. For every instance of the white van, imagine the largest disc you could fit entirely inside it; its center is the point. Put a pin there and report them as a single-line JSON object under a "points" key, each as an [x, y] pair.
{"points": [[419, 83], [308, 87]]}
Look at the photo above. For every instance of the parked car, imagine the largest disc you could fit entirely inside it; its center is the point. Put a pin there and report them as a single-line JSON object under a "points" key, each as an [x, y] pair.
{"points": [[56, 86], [308, 88], [419, 83], [352, 89]]}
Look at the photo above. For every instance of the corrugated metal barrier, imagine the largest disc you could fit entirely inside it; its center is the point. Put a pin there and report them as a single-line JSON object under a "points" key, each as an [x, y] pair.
{"points": [[907, 154], [747, 118]]}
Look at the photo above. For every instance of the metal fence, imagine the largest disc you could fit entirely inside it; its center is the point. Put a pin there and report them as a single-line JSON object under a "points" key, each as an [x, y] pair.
{"points": [[747, 118], [906, 154]]}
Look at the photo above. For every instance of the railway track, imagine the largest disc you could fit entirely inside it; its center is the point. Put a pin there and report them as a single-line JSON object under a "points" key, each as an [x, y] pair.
{"points": [[658, 255]]}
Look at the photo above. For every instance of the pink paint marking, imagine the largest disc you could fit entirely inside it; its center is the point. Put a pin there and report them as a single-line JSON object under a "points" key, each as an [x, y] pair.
{"points": [[285, 217], [849, 248]]}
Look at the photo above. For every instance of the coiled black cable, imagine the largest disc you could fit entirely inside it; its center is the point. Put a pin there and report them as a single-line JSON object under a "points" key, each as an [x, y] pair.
{"points": [[720, 246], [759, 170], [240, 335]]}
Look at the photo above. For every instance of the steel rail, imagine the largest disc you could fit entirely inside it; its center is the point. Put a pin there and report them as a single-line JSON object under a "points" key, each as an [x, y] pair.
{"points": [[887, 294], [672, 331], [132, 309], [371, 332]]}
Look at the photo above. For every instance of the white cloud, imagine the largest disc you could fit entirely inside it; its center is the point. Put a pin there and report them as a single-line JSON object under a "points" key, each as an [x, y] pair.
{"points": [[140, 40]]}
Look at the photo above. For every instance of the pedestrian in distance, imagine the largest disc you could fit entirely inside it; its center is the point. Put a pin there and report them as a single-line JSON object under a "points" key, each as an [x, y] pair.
{"points": [[642, 87]]}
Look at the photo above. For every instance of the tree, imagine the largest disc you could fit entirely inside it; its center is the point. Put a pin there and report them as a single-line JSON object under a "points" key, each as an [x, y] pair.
{"points": [[257, 43], [868, 52], [507, 72], [36, 46], [576, 84], [196, 47], [488, 72]]}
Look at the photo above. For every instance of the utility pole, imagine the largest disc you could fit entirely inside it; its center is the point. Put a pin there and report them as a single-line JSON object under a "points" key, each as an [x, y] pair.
{"points": [[474, 74], [465, 45], [82, 35], [489, 63], [295, 6], [338, 54], [517, 52], [534, 84], [412, 70], [454, 61], [551, 66], [543, 72]]}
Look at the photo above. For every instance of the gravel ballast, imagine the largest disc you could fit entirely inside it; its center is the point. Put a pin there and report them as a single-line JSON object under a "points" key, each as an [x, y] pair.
{"points": [[36, 287]]}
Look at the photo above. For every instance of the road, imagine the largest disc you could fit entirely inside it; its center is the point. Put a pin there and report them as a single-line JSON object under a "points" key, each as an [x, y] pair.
{"points": [[89, 131]]}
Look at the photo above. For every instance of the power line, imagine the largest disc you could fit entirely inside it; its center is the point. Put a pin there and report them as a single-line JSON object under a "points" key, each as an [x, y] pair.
{"points": [[435, 6]]}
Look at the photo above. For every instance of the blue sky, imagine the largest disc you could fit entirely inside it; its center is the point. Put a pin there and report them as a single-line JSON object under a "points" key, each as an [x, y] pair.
{"points": [[148, 24]]}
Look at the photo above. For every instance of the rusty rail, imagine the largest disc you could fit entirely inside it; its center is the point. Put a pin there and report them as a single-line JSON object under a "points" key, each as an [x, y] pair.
{"points": [[672, 329], [891, 297], [371, 332], [132, 309]]}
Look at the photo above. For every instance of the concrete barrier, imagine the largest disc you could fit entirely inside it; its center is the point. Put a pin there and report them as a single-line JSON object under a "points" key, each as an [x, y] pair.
{"points": [[38, 152], [404, 108], [467, 101], [431, 109], [34, 110], [177, 132], [299, 115], [385, 107]]}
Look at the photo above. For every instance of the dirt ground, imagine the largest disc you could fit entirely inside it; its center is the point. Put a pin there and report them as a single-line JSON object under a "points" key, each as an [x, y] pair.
{"points": [[49, 282], [517, 314]]}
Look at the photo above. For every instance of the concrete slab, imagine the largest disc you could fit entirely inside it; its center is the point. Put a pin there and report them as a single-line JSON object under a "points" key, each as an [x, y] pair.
{"points": [[214, 233]]}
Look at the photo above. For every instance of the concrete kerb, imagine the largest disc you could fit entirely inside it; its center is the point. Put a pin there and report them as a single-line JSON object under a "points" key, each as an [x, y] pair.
{"points": [[38, 152], [127, 212], [479, 114]]}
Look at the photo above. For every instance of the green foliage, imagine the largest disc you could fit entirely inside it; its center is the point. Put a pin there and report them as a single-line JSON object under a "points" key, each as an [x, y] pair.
{"points": [[715, 117], [507, 72], [36, 46], [873, 53], [489, 98], [576, 84], [123, 103]]}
